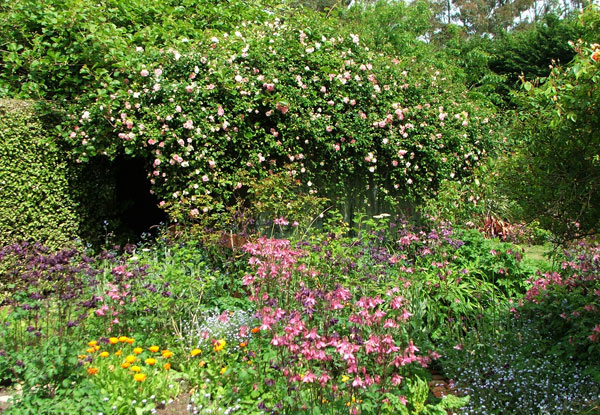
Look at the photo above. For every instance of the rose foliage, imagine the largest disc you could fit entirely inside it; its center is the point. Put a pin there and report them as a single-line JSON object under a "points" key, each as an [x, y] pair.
{"points": [[224, 110]]}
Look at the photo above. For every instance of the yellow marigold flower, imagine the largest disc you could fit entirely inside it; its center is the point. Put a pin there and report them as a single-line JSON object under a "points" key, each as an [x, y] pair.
{"points": [[167, 353], [91, 350], [113, 340], [201, 363], [138, 350], [125, 365], [96, 348], [150, 361], [123, 339], [129, 340], [135, 368], [81, 356], [196, 352], [118, 352], [92, 370], [104, 354], [131, 358], [167, 366], [345, 378], [219, 345], [223, 370], [154, 349], [139, 377], [92, 343]]}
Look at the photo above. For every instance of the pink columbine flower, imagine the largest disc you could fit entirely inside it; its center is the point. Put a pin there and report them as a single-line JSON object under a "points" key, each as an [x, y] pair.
{"points": [[102, 311], [396, 380], [281, 221], [324, 378], [309, 377], [358, 382], [405, 314]]}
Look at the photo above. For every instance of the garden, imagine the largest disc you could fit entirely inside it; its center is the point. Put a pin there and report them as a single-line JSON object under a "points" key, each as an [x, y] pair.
{"points": [[300, 207]]}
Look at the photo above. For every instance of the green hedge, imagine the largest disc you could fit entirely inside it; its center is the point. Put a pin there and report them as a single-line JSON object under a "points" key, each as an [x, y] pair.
{"points": [[34, 197]]}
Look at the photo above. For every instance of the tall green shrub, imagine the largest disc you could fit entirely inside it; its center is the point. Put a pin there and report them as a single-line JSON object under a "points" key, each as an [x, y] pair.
{"points": [[34, 197]]}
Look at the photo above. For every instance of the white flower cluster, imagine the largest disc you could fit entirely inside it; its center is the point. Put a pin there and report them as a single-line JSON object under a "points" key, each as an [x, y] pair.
{"points": [[201, 403], [209, 325], [515, 376]]}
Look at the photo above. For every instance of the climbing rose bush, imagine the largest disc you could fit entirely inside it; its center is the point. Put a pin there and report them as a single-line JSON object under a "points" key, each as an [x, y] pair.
{"points": [[226, 109]]}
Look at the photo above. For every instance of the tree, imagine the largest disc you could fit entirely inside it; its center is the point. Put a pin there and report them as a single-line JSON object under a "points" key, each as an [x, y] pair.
{"points": [[555, 174], [490, 16]]}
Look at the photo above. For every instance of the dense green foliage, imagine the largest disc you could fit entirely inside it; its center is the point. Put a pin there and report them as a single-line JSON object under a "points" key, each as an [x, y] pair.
{"points": [[215, 114], [532, 53], [369, 142], [35, 202], [557, 161], [61, 49]]}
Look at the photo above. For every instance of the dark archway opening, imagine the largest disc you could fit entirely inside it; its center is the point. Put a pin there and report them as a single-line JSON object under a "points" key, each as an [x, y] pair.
{"points": [[138, 208], [115, 205]]}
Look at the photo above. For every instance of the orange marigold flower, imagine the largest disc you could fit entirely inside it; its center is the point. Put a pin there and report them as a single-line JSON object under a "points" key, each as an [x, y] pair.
{"points": [[92, 343], [91, 350], [139, 377], [201, 363], [255, 330], [154, 349], [138, 350], [125, 365], [129, 340], [196, 352], [113, 340], [118, 352], [150, 361], [131, 358], [104, 354], [167, 366], [243, 344], [92, 370], [135, 368], [167, 353]]}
